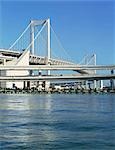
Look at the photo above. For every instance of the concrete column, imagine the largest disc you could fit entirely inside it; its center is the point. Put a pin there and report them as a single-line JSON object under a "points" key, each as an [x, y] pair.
{"points": [[28, 84], [86, 84], [4, 62], [47, 83], [112, 81], [39, 83], [49, 47], [95, 84], [101, 84], [24, 84], [3, 73], [32, 40], [32, 37], [89, 85]]}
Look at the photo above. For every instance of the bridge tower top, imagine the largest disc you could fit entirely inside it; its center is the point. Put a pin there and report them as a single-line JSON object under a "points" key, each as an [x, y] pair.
{"points": [[34, 23]]}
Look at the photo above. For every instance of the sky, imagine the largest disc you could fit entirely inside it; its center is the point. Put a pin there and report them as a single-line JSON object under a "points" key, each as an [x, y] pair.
{"points": [[83, 26]]}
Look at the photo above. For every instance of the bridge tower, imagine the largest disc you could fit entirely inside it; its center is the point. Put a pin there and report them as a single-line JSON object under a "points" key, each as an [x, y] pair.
{"points": [[47, 83], [90, 60], [95, 82], [32, 36], [32, 48]]}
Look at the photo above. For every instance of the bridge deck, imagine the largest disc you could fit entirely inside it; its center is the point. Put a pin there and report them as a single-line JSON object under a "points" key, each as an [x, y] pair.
{"points": [[39, 63], [34, 59], [39, 60], [50, 78], [59, 67]]}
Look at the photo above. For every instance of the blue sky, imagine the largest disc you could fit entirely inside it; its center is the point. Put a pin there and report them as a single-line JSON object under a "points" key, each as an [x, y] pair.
{"points": [[82, 26]]}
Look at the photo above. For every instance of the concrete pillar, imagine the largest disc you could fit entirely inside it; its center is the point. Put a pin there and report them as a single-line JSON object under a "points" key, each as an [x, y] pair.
{"points": [[24, 84], [3, 73], [95, 84], [4, 62], [39, 83], [47, 83], [32, 40], [112, 81], [112, 84], [28, 84], [86, 85], [101, 84], [48, 43], [89, 85], [32, 37]]}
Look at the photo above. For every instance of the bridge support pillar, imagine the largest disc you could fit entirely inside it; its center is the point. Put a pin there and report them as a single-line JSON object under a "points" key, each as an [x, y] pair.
{"points": [[101, 84], [32, 37], [89, 85], [28, 84], [86, 85], [47, 83], [24, 84], [95, 84], [40, 85], [112, 81], [3, 73]]}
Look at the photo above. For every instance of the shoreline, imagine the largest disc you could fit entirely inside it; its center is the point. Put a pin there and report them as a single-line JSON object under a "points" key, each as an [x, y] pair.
{"points": [[69, 91]]}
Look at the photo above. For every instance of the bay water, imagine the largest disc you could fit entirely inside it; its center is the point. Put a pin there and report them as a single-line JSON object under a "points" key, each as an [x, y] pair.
{"points": [[57, 122]]}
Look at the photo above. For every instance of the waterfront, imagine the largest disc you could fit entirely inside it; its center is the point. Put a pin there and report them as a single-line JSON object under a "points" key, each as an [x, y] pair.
{"points": [[57, 121]]}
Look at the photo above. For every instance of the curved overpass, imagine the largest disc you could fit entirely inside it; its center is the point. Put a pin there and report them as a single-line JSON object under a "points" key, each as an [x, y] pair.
{"points": [[39, 60]]}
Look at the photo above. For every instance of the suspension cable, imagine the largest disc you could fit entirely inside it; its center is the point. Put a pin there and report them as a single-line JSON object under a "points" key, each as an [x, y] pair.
{"points": [[61, 44], [19, 37]]}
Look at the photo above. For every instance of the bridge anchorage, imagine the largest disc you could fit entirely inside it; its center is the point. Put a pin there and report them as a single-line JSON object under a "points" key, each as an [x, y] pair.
{"points": [[29, 61]]}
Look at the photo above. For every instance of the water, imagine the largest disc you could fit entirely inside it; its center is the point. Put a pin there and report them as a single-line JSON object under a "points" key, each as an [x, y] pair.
{"points": [[57, 122]]}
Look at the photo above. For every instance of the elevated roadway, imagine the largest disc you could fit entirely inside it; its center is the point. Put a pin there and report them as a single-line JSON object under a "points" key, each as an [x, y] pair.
{"points": [[38, 60], [59, 67], [52, 78], [39, 63], [34, 59]]}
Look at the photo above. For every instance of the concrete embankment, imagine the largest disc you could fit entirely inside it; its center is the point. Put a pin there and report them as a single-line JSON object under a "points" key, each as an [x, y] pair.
{"points": [[67, 91]]}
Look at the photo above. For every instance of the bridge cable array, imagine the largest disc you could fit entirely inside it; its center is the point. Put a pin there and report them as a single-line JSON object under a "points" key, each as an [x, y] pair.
{"points": [[21, 38], [23, 42], [40, 42]]}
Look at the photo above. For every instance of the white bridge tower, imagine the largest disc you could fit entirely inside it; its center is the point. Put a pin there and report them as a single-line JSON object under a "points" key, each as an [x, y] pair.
{"points": [[32, 41]]}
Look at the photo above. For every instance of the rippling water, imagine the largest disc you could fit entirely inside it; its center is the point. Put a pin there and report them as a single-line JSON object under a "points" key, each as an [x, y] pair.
{"points": [[50, 122]]}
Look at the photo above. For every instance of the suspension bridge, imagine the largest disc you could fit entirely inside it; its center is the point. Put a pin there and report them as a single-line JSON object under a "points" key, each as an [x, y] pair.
{"points": [[36, 50]]}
